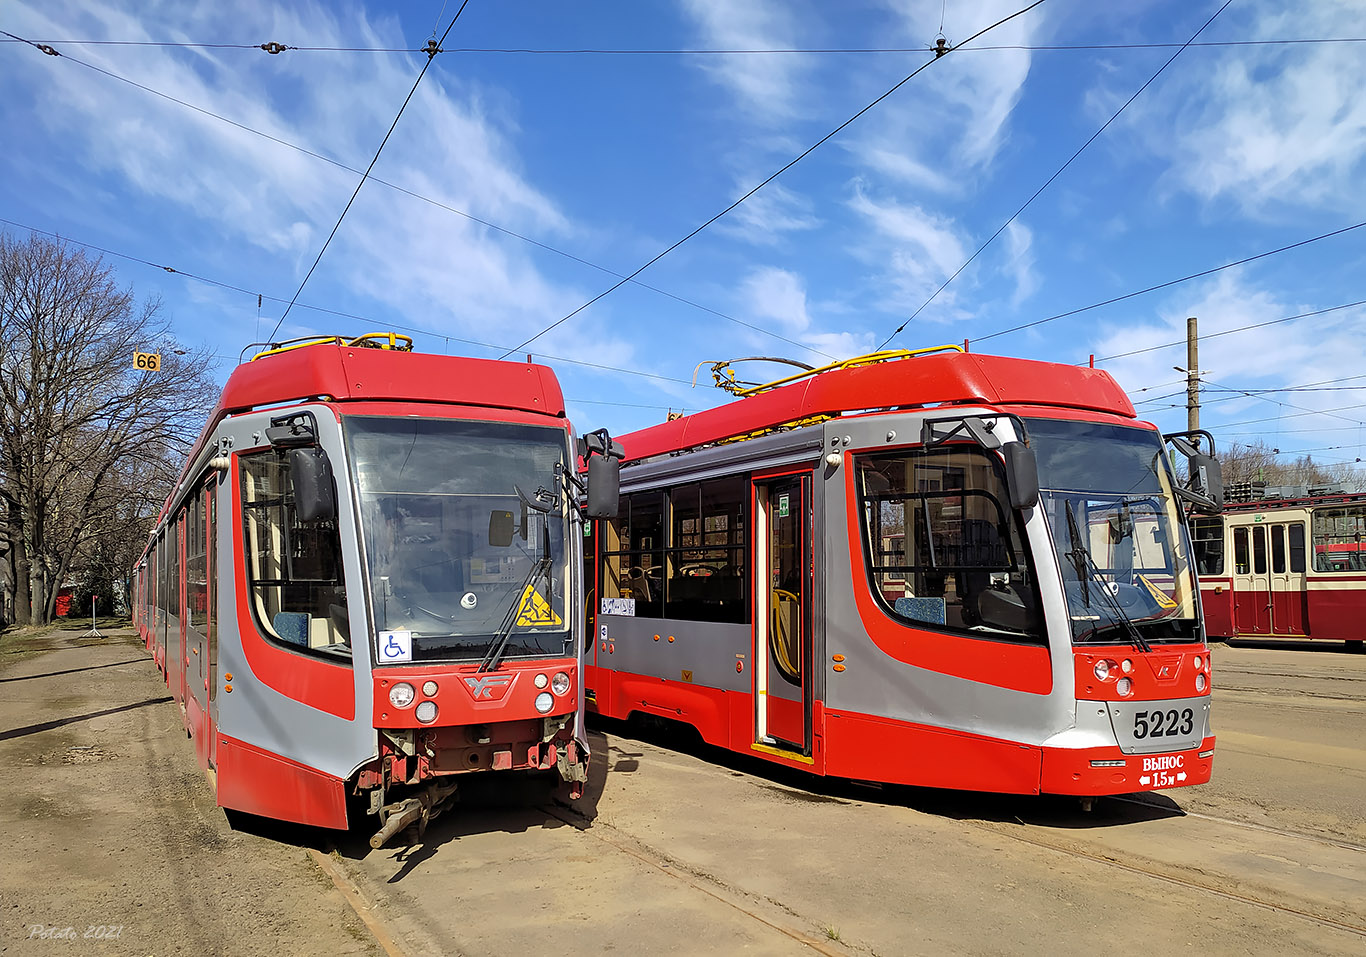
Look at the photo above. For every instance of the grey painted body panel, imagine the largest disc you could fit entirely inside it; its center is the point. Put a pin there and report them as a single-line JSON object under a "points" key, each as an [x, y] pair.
{"points": [[707, 649], [254, 712], [1123, 715]]}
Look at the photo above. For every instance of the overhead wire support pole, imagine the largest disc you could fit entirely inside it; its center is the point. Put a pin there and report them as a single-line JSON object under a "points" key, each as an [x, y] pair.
{"points": [[1048, 182], [432, 49], [1193, 377], [811, 149]]}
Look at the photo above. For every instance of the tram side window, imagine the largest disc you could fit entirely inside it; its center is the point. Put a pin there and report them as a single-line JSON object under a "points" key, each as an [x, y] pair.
{"points": [[1296, 531], [633, 553], [173, 569], [1339, 539], [942, 548], [706, 552], [1241, 563], [196, 565], [294, 568], [1207, 540], [1259, 549]]}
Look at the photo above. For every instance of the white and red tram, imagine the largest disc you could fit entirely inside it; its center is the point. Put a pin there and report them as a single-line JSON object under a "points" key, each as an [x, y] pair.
{"points": [[950, 570], [364, 583], [1285, 568]]}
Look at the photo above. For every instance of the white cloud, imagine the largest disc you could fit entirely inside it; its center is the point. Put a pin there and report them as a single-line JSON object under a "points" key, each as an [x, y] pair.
{"points": [[777, 295], [916, 249], [766, 86], [1268, 128], [1020, 261]]}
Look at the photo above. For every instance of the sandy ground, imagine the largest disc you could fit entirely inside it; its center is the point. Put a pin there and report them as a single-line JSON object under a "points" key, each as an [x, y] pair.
{"points": [[110, 827], [681, 849]]}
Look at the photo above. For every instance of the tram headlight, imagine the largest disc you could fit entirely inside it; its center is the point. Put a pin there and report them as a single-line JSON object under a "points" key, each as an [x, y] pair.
{"points": [[1198, 662], [1199, 682], [1102, 669], [425, 712], [1124, 686], [401, 695], [1126, 666], [541, 681], [544, 702], [429, 688], [560, 683]]}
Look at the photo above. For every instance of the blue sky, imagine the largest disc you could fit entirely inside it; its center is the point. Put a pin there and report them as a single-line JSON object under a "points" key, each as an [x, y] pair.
{"points": [[516, 184]]}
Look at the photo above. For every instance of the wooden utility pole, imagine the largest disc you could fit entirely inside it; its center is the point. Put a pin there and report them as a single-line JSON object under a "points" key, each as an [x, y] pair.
{"points": [[1192, 378]]}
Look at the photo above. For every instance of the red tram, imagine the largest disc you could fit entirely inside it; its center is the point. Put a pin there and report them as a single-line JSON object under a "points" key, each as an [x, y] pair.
{"points": [[950, 570], [1285, 567], [364, 583]]}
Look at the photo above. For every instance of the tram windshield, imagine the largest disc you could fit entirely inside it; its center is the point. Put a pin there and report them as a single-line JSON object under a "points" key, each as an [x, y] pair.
{"points": [[453, 555], [1117, 531]]}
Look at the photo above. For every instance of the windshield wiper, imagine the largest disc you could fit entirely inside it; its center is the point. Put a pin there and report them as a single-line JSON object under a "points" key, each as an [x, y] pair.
{"points": [[494, 656], [1086, 569]]}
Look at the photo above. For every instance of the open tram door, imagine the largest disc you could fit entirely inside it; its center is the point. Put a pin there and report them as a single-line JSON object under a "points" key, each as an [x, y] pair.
{"points": [[782, 614]]}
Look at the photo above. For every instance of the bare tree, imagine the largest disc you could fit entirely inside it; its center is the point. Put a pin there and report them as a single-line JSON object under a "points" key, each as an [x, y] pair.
{"points": [[77, 420], [1258, 462]]}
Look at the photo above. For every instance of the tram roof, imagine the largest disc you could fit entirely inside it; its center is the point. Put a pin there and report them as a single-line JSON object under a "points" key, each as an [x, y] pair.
{"points": [[954, 378], [343, 372]]}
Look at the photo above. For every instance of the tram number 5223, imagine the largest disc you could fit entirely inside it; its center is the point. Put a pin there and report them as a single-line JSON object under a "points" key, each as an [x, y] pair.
{"points": [[1157, 724]]}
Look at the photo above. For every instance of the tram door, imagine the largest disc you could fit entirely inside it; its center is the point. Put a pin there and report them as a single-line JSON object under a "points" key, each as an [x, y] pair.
{"points": [[1251, 581], [1287, 578], [782, 630]]}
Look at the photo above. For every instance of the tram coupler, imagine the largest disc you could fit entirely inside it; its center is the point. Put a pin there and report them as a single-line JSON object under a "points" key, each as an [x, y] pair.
{"points": [[416, 810]]}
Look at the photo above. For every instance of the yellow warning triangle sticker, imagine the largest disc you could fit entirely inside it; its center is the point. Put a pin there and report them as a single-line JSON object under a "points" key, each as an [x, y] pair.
{"points": [[535, 611], [1162, 598]]}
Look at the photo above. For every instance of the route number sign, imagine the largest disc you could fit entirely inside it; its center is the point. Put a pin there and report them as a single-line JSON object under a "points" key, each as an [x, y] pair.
{"points": [[147, 361]]}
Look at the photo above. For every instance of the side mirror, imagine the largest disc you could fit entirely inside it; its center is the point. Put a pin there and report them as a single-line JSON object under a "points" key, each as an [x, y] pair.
{"points": [[604, 487], [310, 472], [1207, 477], [501, 527], [1022, 475]]}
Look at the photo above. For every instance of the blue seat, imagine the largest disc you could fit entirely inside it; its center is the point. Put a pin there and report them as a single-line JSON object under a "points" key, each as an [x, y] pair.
{"points": [[929, 610], [291, 626]]}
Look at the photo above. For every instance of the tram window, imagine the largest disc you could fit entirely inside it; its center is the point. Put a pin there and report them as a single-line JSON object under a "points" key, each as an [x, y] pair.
{"points": [[633, 553], [941, 547], [706, 554], [1278, 549], [1339, 536], [1296, 531], [1207, 540], [196, 564], [173, 569], [1259, 549], [1241, 564], [293, 566]]}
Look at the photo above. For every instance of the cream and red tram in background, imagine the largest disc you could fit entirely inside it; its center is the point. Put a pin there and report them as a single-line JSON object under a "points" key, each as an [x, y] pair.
{"points": [[1290, 565], [364, 583], [950, 570]]}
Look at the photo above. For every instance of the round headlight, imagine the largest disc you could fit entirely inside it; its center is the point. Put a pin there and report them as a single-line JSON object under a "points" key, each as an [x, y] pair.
{"points": [[560, 683], [1198, 662], [1102, 669], [1124, 686], [542, 681], [425, 712], [401, 695], [1199, 682], [429, 688], [1126, 666], [544, 702]]}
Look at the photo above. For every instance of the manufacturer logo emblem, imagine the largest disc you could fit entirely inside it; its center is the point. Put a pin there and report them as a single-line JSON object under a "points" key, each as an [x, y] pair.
{"points": [[488, 687]]}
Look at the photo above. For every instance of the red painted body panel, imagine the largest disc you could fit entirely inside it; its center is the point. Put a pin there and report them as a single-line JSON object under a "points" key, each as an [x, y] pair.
{"points": [[880, 749], [950, 378], [1338, 615], [508, 694], [1000, 663], [258, 782], [1070, 772], [1168, 671], [1216, 599]]}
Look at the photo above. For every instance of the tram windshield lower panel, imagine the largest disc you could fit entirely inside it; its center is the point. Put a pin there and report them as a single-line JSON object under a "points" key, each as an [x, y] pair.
{"points": [[1117, 531], [455, 558]]}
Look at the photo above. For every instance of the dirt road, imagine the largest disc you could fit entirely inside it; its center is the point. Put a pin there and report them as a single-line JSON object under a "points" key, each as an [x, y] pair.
{"points": [[681, 849], [113, 844]]}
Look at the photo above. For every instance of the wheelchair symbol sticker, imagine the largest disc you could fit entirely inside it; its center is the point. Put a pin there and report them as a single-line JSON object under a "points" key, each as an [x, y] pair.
{"points": [[395, 646]]}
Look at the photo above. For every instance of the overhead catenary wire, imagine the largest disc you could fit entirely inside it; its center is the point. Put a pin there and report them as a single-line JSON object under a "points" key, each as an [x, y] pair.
{"points": [[434, 202], [805, 153], [369, 320], [434, 49], [1048, 182]]}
